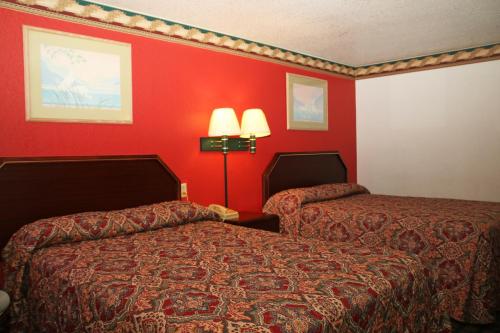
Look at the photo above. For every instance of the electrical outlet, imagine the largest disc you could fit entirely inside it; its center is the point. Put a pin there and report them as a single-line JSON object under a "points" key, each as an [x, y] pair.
{"points": [[184, 190]]}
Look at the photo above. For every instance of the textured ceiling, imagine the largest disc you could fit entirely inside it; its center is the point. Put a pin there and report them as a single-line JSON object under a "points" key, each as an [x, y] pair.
{"points": [[351, 32]]}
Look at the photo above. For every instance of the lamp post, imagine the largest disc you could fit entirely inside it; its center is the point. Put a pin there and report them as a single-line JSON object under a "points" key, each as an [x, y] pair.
{"points": [[223, 124]]}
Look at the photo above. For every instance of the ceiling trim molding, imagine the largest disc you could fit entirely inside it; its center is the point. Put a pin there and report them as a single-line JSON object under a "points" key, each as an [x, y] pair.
{"points": [[112, 18], [452, 58], [89, 13]]}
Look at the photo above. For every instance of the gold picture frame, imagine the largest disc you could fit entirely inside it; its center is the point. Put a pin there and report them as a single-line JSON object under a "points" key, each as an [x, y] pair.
{"points": [[76, 78], [307, 103]]}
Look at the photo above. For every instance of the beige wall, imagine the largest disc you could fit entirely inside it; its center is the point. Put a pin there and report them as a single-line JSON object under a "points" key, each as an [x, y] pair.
{"points": [[431, 133]]}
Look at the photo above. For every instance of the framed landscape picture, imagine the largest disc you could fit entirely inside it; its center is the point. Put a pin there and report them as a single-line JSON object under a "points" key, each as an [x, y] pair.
{"points": [[307, 103], [74, 78]]}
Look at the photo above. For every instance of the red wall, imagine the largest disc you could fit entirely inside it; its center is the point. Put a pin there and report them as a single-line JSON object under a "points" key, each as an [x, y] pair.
{"points": [[175, 88]]}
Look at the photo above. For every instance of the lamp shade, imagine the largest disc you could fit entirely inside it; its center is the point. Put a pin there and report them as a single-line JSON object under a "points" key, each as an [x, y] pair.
{"points": [[254, 122], [223, 122]]}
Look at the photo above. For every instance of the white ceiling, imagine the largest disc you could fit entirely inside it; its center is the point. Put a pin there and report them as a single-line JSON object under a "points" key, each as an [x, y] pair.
{"points": [[350, 32]]}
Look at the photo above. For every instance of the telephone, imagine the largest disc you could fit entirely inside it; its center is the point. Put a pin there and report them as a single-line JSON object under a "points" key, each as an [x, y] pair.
{"points": [[224, 213]]}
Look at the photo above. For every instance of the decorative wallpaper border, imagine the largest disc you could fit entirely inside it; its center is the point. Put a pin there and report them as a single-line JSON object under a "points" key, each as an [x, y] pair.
{"points": [[483, 53], [117, 19]]}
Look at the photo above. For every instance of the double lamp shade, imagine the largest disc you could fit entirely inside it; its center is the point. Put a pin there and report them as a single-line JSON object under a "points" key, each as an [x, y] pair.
{"points": [[224, 122]]}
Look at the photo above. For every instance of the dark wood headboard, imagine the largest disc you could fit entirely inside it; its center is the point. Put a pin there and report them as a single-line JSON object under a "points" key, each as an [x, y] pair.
{"points": [[291, 170], [36, 188]]}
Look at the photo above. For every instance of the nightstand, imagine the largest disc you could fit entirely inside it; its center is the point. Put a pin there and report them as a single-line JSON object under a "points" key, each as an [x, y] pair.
{"points": [[256, 220]]}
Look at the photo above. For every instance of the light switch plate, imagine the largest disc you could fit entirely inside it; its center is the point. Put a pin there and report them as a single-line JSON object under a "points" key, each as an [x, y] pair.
{"points": [[184, 190]]}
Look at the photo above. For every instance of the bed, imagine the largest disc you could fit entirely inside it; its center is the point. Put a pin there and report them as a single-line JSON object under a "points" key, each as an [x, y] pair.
{"points": [[458, 239], [80, 260]]}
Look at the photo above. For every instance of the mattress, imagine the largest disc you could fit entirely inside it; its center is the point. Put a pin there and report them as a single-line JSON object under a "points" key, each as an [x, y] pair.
{"points": [[457, 239], [170, 268]]}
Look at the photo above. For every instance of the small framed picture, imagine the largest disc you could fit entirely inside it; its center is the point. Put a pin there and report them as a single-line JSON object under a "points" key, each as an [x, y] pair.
{"points": [[74, 78], [307, 103]]}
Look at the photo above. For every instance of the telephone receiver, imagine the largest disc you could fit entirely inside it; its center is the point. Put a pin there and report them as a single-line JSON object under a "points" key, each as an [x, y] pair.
{"points": [[224, 213]]}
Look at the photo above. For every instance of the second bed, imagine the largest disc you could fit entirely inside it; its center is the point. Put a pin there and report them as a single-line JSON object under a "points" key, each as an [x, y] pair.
{"points": [[457, 239]]}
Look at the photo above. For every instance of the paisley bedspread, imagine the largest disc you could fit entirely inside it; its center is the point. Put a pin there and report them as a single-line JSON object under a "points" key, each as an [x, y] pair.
{"points": [[205, 276], [458, 239]]}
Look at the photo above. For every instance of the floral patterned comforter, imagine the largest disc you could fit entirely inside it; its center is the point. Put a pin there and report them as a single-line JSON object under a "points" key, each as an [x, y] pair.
{"points": [[149, 270], [458, 239]]}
